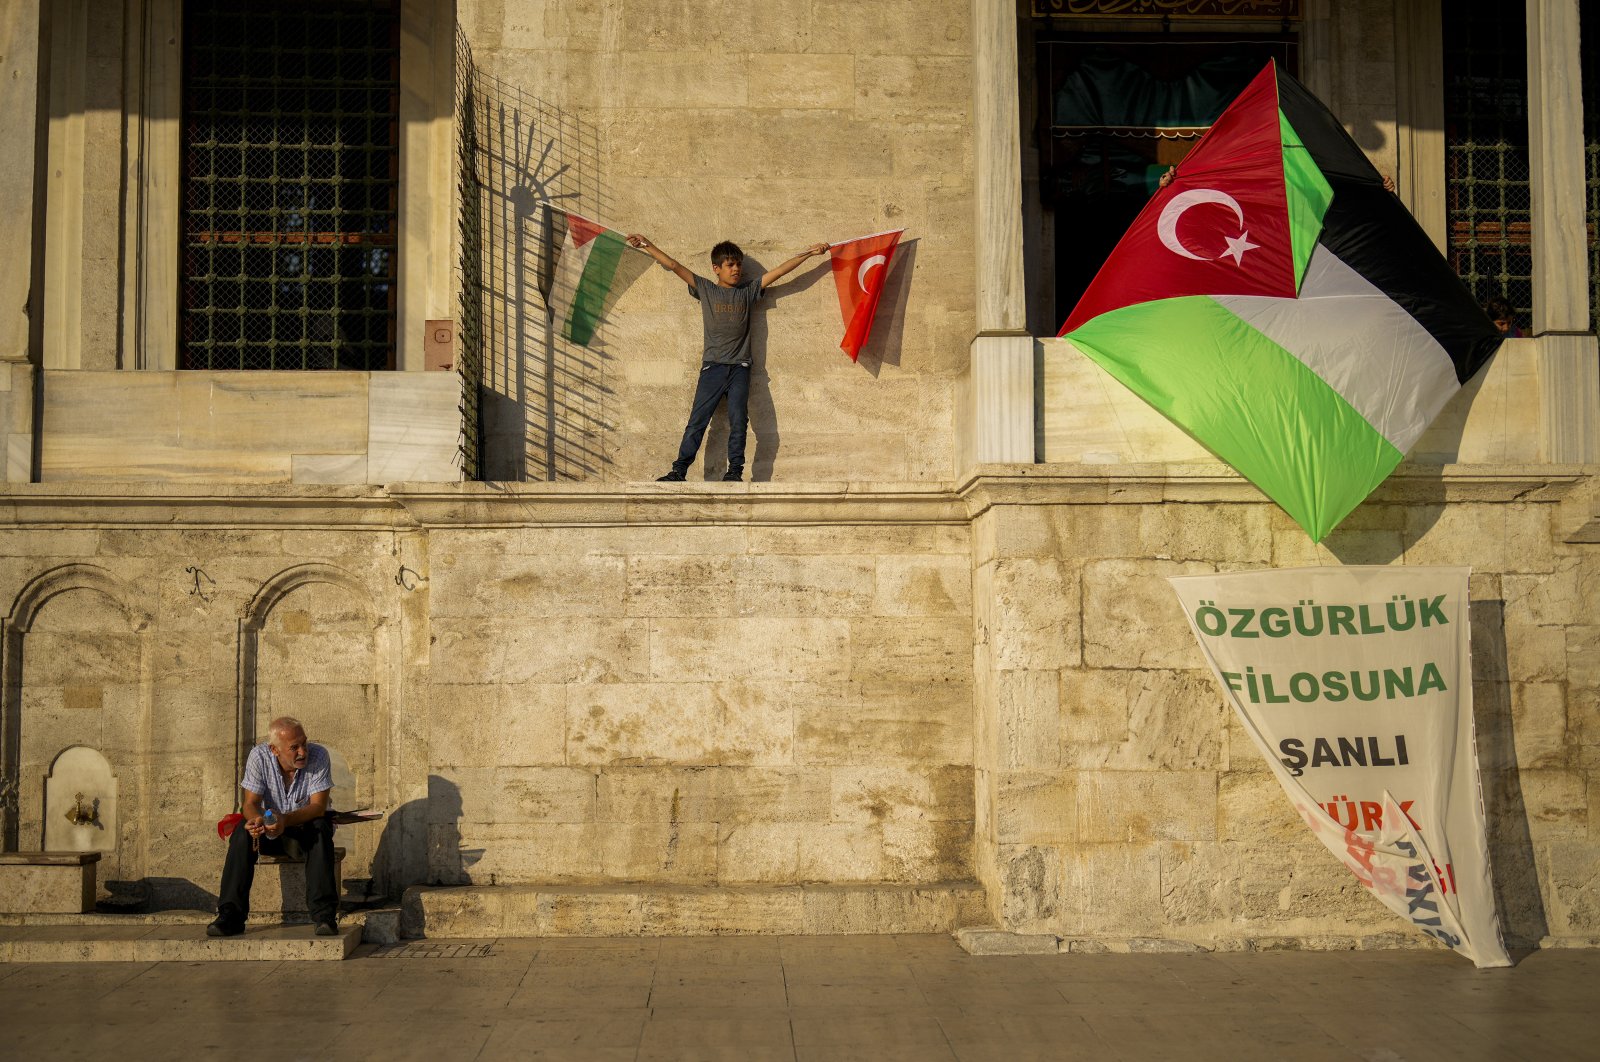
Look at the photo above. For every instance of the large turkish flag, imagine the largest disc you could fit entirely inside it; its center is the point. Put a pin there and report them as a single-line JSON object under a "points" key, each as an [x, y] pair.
{"points": [[1220, 228], [859, 267]]}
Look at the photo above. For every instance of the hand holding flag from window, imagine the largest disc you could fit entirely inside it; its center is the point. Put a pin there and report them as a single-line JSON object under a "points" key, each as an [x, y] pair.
{"points": [[859, 268]]}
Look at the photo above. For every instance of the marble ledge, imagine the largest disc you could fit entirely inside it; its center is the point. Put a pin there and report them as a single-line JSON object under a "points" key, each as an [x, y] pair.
{"points": [[401, 506], [1216, 483]]}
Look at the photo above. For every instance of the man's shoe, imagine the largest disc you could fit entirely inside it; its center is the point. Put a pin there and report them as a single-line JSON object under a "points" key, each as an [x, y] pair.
{"points": [[671, 477], [326, 927], [733, 475], [224, 927]]}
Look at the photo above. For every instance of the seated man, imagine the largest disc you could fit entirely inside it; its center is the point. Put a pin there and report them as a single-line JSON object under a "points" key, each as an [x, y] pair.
{"points": [[289, 777]]}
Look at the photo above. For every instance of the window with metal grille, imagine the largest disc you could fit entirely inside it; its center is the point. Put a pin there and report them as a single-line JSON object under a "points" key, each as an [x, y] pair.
{"points": [[1487, 204], [1589, 64], [290, 181]]}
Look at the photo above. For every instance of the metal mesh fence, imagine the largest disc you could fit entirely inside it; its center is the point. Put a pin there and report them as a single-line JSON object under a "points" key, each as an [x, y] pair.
{"points": [[291, 173], [469, 356], [1487, 205]]}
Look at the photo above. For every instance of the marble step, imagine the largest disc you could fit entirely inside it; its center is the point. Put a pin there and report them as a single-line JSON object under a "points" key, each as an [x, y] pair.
{"points": [[171, 943], [655, 910]]}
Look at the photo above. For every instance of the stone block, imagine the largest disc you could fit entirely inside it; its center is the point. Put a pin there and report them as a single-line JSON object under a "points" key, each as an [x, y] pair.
{"points": [[1131, 617], [1252, 809], [722, 911], [521, 586], [756, 648], [1136, 807], [1556, 803], [1139, 720], [555, 650], [1199, 885], [280, 884], [1036, 809], [931, 650], [1035, 615], [657, 795], [772, 794], [586, 913], [1109, 889], [987, 940], [669, 852], [889, 909], [840, 852], [541, 794], [1006, 531], [876, 794], [1027, 719], [898, 723], [1032, 898], [758, 852], [1539, 722], [47, 882], [327, 468], [680, 723]]}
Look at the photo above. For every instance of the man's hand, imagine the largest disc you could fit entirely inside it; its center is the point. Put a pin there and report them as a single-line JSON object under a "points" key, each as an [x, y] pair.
{"points": [[255, 826], [817, 248], [636, 240], [277, 827]]}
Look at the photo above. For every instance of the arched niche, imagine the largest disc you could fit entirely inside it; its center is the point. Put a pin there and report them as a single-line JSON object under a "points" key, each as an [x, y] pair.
{"points": [[73, 660], [313, 645], [80, 802]]}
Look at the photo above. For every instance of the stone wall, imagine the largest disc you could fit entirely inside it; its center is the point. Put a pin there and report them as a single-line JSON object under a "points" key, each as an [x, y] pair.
{"points": [[1119, 798], [758, 702], [774, 125]]}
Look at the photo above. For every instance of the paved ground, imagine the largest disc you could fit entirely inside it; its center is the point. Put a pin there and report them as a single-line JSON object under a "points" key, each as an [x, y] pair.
{"points": [[831, 998]]}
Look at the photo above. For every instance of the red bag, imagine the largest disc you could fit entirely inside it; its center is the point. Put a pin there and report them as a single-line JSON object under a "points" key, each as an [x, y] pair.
{"points": [[227, 824]]}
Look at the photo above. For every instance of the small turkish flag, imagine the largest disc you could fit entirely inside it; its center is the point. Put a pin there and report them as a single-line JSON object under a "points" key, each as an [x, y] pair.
{"points": [[859, 267]]}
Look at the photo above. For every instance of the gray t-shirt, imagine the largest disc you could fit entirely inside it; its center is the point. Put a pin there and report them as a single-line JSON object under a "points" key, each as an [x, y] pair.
{"points": [[727, 318]]}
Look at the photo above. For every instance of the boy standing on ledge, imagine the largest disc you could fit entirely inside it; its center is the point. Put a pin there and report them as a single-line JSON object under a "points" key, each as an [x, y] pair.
{"points": [[725, 360]]}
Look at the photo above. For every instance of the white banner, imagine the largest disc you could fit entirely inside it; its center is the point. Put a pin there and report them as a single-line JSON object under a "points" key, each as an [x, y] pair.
{"points": [[1356, 685]]}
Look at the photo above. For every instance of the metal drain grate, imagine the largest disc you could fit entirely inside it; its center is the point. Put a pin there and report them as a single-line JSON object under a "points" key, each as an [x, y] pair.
{"points": [[424, 950]]}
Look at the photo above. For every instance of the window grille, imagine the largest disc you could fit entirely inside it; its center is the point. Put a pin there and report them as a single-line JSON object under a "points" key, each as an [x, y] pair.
{"points": [[291, 174], [1487, 206], [1589, 65]]}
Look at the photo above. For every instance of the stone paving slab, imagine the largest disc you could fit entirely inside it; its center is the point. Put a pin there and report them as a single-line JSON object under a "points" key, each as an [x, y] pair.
{"points": [[799, 999], [171, 943]]}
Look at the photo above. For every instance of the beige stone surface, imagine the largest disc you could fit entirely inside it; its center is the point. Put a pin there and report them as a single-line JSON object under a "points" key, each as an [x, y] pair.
{"points": [[45, 889]]}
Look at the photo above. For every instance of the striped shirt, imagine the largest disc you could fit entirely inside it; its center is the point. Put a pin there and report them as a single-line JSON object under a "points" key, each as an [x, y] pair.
{"points": [[262, 775]]}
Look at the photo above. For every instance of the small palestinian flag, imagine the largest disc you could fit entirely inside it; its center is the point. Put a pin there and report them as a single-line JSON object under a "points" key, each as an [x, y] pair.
{"points": [[1277, 303], [595, 266]]}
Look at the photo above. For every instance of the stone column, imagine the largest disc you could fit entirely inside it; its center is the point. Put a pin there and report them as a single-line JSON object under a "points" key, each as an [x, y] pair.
{"points": [[1567, 355], [154, 213], [427, 185], [20, 222], [19, 113], [1000, 395], [1419, 96]]}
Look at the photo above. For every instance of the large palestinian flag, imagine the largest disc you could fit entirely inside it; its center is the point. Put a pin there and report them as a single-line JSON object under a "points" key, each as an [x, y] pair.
{"points": [[595, 266], [1277, 303]]}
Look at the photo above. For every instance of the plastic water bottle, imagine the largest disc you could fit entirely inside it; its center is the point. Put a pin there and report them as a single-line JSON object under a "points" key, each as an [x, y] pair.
{"points": [[269, 818]]}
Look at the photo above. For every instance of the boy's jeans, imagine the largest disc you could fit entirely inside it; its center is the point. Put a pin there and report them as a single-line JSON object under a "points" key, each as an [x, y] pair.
{"points": [[716, 381]]}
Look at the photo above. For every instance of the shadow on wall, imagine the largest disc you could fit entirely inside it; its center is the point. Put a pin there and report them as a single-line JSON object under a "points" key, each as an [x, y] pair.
{"points": [[421, 843], [1516, 876], [542, 401]]}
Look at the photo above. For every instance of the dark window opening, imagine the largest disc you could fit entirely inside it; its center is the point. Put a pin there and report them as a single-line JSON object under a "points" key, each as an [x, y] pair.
{"points": [[290, 184], [1487, 203], [1114, 112]]}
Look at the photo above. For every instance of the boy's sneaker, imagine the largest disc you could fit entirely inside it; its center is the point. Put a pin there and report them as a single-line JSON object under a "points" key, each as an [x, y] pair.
{"points": [[671, 477]]}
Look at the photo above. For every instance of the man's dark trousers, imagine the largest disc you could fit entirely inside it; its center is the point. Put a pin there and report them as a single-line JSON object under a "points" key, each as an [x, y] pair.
{"points": [[311, 841], [716, 381]]}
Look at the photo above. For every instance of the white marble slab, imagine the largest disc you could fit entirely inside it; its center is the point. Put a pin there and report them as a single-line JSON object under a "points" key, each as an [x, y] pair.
{"points": [[414, 428]]}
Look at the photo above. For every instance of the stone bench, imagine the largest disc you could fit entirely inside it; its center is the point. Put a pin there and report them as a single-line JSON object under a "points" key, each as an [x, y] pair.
{"points": [[47, 882], [280, 885]]}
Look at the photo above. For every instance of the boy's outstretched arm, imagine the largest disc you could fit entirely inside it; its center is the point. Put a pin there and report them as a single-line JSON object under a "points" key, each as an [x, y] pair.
{"points": [[665, 260], [783, 269]]}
